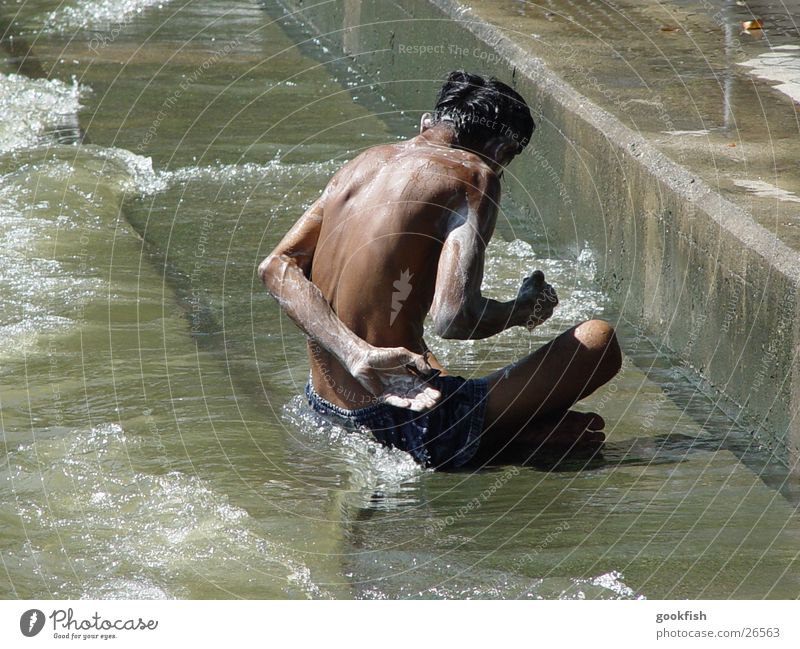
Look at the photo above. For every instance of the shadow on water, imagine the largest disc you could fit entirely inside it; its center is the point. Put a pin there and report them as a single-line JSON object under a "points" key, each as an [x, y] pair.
{"points": [[667, 449], [642, 451]]}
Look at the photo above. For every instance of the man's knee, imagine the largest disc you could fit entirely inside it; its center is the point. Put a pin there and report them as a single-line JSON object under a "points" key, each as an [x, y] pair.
{"points": [[600, 339]]}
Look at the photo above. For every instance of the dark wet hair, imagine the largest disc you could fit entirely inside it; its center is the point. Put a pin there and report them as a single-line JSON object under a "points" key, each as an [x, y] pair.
{"points": [[480, 108]]}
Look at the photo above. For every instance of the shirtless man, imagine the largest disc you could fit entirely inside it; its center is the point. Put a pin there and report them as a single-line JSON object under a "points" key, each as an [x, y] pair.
{"points": [[400, 232]]}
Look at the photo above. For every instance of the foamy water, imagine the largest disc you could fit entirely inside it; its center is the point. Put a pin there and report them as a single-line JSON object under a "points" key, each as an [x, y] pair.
{"points": [[507, 264], [98, 13], [422, 575], [53, 215], [122, 533], [31, 107], [371, 466], [54, 207], [94, 521]]}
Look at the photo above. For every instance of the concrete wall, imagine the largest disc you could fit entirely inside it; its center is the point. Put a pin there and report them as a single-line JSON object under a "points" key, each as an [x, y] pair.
{"points": [[691, 267]]}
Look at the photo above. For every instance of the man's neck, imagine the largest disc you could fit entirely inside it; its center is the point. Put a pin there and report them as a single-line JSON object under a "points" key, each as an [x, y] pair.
{"points": [[441, 135]]}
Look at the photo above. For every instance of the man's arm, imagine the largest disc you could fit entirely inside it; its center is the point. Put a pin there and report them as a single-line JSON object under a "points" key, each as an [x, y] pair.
{"points": [[382, 371], [285, 275], [459, 309]]}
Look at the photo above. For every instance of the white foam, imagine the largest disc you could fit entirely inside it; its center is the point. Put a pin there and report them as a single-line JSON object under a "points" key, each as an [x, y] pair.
{"points": [[272, 169], [59, 193], [373, 467], [139, 177], [612, 581], [98, 13], [396, 574], [30, 107]]}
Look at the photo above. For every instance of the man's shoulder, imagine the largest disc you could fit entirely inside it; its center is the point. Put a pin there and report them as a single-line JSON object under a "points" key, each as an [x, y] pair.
{"points": [[381, 152], [459, 164], [456, 171]]}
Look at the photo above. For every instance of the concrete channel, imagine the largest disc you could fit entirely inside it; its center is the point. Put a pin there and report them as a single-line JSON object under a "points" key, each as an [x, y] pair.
{"points": [[692, 266]]}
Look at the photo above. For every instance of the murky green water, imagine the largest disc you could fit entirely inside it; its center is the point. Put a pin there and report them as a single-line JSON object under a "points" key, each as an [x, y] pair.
{"points": [[154, 443]]}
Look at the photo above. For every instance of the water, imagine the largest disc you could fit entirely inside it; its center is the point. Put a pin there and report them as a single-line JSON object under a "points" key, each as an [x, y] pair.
{"points": [[716, 99], [154, 442]]}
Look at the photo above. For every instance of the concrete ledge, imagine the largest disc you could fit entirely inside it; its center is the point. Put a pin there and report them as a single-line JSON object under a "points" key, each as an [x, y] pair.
{"points": [[696, 270]]}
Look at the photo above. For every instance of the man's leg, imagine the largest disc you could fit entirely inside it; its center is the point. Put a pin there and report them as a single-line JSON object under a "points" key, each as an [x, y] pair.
{"points": [[529, 401]]}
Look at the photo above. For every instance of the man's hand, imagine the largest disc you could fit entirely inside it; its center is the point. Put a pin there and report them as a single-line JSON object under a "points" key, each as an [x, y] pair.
{"points": [[535, 301], [397, 376]]}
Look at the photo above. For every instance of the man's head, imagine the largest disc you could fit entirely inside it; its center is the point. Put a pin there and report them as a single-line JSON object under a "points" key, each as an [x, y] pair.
{"points": [[488, 117]]}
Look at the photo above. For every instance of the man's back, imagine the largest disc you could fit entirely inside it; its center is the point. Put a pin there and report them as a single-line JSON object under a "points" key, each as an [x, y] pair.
{"points": [[385, 218]]}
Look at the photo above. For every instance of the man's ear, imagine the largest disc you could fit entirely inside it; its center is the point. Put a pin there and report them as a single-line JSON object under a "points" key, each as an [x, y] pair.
{"points": [[425, 122], [502, 151]]}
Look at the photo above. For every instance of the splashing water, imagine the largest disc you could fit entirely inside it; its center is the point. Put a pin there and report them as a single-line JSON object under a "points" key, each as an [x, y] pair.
{"points": [[31, 107], [130, 534], [97, 13], [372, 467]]}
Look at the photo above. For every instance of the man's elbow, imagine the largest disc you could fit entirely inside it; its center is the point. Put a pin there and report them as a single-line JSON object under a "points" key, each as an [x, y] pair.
{"points": [[271, 270], [452, 326]]}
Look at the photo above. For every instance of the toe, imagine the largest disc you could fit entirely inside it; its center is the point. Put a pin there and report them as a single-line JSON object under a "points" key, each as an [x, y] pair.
{"points": [[595, 421]]}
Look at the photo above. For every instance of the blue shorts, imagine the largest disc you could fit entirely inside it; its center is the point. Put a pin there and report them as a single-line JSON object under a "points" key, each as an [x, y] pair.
{"points": [[445, 436]]}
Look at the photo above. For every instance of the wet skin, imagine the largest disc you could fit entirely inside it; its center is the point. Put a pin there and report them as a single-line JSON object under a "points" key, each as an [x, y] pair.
{"points": [[400, 232]]}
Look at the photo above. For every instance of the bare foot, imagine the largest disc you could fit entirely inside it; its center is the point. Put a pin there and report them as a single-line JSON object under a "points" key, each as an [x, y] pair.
{"points": [[570, 428], [570, 432]]}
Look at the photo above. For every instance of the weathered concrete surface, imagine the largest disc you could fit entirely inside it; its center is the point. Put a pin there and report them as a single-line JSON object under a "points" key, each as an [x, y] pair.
{"points": [[705, 278]]}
